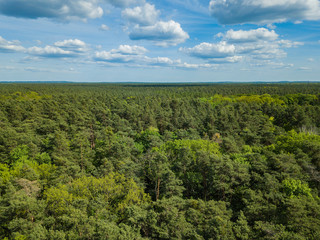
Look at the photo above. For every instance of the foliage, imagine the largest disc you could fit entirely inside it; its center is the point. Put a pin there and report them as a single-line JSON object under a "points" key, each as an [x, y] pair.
{"points": [[160, 161]]}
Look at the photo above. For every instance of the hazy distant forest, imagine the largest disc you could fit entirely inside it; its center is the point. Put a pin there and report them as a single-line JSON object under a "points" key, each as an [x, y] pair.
{"points": [[175, 161]]}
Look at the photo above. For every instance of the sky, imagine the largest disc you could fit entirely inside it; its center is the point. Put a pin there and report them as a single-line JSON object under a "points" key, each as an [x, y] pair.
{"points": [[159, 41]]}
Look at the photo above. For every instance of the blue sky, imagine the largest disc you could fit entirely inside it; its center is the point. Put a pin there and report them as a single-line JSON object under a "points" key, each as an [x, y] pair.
{"points": [[159, 41]]}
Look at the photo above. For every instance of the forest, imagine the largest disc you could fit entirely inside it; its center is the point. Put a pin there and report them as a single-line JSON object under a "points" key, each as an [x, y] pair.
{"points": [[160, 161]]}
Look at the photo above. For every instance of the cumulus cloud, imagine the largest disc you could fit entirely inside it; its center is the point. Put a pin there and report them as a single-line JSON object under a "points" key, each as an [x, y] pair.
{"points": [[134, 56], [168, 62], [104, 27], [162, 61], [123, 54], [233, 59], [61, 49], [272, 64], [105, 56], [74, 45], [143, 15], [63, 10], [266, 49], [211, 50], [289, 44], [10, 46], [196, 66], [250, 36], [264, 11], [50, 52], [262, 50], [162, 33], [305, 68], [130, 50], [148, 27], [224, 52], [256, 44]]}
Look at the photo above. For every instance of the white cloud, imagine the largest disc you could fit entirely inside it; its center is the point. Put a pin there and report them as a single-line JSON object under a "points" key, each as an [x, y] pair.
{"points": [[162, 33], [70, 43], [123, 54], [148, 27], [289, 44], [29, 59], [271, 26], [130, 50], [49, 70], [250, 36], [261, 50], [10, 46], [196, 66], [61, 49], [134, 56], [50, 52], [63, 10], [162, 61], [233, 59], [252, 45], [264, 11], [211, 50], [272, 64], [113, 57], [304, 68], [143, 15], [74, 45], [104, 27]]}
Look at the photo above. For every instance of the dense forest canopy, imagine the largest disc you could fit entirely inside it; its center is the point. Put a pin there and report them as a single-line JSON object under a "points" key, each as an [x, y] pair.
{"points": [[160, 161]]}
